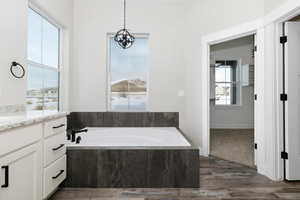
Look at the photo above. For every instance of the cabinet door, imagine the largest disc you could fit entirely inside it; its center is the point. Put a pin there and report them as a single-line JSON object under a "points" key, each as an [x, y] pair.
{"points": [[21, 174]]}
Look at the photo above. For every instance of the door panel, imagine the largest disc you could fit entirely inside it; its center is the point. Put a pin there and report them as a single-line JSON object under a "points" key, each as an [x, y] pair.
{"points": [[24, 177], [292, 111], [256, 111]]}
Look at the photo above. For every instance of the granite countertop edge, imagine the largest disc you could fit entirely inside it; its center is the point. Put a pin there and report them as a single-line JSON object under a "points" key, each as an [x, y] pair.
{"points": [[28, 118]]}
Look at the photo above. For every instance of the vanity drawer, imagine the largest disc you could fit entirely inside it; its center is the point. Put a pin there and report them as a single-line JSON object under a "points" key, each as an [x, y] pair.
{"points": [[17, 138], [55, 126], [54, 175], [54, 148]]}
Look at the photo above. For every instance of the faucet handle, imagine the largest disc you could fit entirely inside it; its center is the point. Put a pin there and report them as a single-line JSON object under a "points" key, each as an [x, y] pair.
{"points": [[78, 139]]}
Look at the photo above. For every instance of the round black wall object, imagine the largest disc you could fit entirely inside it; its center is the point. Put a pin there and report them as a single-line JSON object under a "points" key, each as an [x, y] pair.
{"points": [[17, 70]]}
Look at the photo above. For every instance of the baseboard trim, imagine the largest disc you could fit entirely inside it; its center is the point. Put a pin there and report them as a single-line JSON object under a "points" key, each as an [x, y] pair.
{"points": [[201, 153], [232, 126]]}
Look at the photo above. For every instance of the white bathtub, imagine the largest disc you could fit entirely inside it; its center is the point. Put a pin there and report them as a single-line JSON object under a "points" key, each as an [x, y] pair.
{"points": [[132, 137]]}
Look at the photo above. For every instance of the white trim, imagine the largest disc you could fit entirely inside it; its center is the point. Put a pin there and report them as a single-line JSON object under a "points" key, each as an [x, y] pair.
{"points": [[58, 68], [286, 11], [44, 14], [108, 75], [239, 31], [65, 52], [64, 55], [108, 92], [29, 62], [268, 32], [279, 108], [242, 30], [200, 152], [232, 126], [228, 107], [275, 19], [278, 104]]}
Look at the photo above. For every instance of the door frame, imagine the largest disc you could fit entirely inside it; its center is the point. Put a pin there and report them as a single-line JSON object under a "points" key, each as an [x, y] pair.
{"points": [[277, 18], [269, 57], [246, 29]]}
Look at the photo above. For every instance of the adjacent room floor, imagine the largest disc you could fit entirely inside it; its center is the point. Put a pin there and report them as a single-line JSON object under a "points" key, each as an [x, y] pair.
{"points": [[220, 180], [236, 145]]}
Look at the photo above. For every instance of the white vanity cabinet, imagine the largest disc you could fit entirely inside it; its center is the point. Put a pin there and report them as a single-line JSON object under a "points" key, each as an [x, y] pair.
{"points": [[54, 155], [21, 174], [21, 163], [32, 160]]}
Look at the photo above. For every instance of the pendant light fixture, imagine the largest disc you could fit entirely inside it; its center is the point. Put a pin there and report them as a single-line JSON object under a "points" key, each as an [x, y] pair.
{"points": [[123, 37]]}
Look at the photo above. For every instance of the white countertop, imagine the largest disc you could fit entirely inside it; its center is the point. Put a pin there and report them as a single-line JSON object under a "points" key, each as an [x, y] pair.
{"points": [[15, 120]]}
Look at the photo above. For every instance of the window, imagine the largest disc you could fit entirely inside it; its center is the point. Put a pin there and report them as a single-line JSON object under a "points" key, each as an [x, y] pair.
{"points": [[128, 76], [43, 63], [226, 84]]}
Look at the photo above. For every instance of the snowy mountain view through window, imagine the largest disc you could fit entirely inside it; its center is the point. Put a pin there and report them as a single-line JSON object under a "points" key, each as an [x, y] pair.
{"points": [[128, 78], [43, 63]]}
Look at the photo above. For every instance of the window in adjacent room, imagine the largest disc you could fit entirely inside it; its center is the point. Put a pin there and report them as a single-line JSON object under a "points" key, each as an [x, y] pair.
{"points": [[128, 76], [43, 63], [227, 87]]}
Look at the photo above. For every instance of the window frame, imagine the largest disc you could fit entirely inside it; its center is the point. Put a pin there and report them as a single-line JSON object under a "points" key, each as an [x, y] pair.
{"points": [[59, 67], [108, 74], [239, 87]]}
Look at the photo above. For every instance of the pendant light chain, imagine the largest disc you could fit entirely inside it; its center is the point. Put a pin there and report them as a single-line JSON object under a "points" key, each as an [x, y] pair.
{"points": [[123, 37], [124, 14]]}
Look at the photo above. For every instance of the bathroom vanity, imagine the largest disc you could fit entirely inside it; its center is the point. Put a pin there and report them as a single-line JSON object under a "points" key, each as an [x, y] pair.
{"points": [[32, 155]]}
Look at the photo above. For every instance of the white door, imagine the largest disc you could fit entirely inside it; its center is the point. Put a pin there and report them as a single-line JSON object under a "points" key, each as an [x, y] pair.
{"points": [[21, 175], [292, 111], [256, 111]]}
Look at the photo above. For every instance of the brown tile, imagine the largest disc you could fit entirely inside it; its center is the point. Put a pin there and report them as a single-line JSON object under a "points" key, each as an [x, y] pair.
{"points": [[219, 180], [288, 195], [72, 194], [103, 198], [104, 193]]}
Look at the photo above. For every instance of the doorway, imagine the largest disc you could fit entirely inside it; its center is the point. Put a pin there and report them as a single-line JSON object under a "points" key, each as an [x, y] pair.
{"points": [[289, 97], [232, 100]]}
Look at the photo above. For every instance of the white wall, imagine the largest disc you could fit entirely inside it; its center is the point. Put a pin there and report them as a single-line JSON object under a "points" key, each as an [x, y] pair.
{"points": [[273, 4], [201, 20], [13, 29], [242, 115], [13, 40], [163, 20], [59, 10], [204, 18], [171, 24]]}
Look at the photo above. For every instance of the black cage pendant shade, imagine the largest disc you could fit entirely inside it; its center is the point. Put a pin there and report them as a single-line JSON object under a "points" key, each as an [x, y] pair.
{"points": [[123, 37]]}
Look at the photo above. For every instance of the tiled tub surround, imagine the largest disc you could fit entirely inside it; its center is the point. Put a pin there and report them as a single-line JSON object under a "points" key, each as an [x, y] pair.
{"points": [[133, 166], [130, 166], [123, 119]]}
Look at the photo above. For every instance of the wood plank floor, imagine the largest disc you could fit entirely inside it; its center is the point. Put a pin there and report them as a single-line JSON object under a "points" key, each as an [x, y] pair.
{"points": [[220, 180]]}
